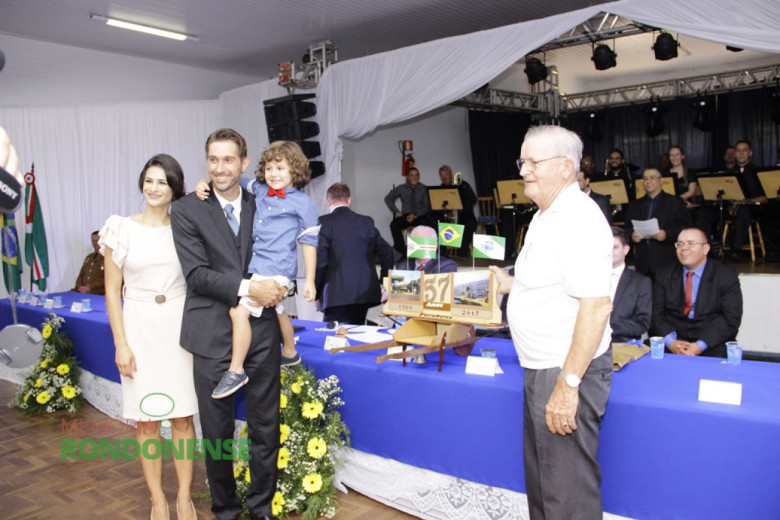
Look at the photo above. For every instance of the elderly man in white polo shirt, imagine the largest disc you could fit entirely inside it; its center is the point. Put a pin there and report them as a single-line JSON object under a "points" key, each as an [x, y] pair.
{"points": [[558, 312]]}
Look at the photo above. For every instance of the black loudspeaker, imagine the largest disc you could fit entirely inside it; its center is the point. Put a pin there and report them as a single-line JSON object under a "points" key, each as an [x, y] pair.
{"points": [[285, 121]]}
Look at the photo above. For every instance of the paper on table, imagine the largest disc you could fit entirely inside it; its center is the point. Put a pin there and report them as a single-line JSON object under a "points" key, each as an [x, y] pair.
{"points": [[646, 228], [370, 337]]}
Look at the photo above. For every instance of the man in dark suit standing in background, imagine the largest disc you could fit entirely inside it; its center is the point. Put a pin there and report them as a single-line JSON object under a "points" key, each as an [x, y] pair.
{"points": [[697, 303], [654, 251], [347, 253], [632, 294], [214, 261]]}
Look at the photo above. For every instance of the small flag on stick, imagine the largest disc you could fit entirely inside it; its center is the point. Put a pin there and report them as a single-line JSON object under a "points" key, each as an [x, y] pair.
{"points": [[450, 235], [421, 247], [489, 246]]}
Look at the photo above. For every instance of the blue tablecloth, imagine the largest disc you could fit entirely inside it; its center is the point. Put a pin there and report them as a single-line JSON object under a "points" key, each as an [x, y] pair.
{"points": [[663, 453]]}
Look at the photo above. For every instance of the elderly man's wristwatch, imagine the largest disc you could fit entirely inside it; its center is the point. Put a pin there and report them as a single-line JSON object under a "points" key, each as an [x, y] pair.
{"points": [[571, 379]]}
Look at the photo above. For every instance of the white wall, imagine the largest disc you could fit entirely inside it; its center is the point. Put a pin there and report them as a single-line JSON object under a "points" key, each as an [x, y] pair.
{"points": [[372, 165], [45, 74]]}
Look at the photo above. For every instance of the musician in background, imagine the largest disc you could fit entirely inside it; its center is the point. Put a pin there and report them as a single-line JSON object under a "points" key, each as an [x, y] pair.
{"points": [[747, 176], [466, 216], [617, 168]]}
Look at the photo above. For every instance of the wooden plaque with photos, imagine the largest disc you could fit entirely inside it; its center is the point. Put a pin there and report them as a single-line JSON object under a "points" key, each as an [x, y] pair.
{"points": [[467, 297]]}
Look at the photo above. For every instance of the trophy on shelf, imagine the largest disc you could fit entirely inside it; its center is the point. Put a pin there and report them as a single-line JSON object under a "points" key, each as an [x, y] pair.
{"points": [[441, 311]]}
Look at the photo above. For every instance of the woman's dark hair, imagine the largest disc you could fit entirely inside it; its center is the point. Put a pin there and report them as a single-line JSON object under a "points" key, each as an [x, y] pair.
{"points": [[173, 173]]}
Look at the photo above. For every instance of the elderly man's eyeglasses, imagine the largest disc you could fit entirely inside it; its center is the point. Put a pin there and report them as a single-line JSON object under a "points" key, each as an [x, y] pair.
{"points": [[531, 164], [688, 244], [651, 178]]}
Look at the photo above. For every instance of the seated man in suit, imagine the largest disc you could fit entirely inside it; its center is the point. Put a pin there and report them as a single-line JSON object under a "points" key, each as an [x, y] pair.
{"points": [[583, 180], [632, 294], [653, 252], [697, 303], [348, 249], [427, 265]]}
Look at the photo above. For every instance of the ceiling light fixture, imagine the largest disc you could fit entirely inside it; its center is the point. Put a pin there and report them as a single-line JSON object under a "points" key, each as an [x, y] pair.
{"points": [[535, 70], [665, 47], [113, 22], [604, 57]]}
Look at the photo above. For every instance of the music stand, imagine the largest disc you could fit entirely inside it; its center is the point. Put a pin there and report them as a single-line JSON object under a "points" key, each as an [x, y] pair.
{"points": [[444, 199], [615, 189], [770, 181], [667, 186], [716, 187], [512, 192]]}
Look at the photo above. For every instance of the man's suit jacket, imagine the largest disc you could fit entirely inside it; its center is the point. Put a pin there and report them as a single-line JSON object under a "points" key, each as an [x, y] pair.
{"points": [[651, 255], [718, 309], [633, 306], [435, 266], [604, 205], [349, 245], [214, 261]]}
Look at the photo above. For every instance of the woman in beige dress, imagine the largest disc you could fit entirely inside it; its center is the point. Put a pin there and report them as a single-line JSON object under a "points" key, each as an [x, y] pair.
{"points": [[157, 382]]}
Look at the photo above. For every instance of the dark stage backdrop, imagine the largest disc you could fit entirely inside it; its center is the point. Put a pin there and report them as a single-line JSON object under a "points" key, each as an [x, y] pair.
{"points": [[496, 137]]}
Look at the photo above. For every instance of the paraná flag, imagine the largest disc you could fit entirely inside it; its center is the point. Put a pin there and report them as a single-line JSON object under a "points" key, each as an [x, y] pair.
{"points": [[421, 247], [450, 235], [36, 253], [489, 246], [12, 266]]}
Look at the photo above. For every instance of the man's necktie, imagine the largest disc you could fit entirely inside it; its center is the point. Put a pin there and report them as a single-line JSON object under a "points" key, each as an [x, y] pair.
{"points": [[278, 193], [413, 202], [231, 218], [420, 267], [688, 292]]}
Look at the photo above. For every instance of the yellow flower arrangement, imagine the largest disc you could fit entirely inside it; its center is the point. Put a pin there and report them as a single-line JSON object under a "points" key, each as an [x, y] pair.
{"points": [[311, 410], [312, 483], [54, 381], [316, 448], [310, 430]]}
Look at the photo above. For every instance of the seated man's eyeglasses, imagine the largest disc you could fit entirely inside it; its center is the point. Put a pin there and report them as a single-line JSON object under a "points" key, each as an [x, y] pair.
{"points": [[531, 164], [689, 244], [651, 178]]}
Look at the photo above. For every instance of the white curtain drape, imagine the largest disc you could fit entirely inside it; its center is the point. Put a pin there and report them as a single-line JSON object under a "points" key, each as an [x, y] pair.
{"points": [[87, 163], [357, 96]]}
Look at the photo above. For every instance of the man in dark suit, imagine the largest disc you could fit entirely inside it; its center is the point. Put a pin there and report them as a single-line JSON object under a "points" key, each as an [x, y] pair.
{"points": [[602, 200], [349, 245], [632, 294], [652, 252], [214, 261], [442, 264], [697, 303]]}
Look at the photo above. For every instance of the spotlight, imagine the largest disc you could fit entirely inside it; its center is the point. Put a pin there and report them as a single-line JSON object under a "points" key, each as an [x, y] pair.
{"points": [[603, 57], [535, 70], [703, 120], [733, 49], [665, 47], [656, 125]]}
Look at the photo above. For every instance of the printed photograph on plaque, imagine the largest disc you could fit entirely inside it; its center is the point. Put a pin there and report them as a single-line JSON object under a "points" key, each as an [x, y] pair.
{"points": [[405, 285], [472, 288]]}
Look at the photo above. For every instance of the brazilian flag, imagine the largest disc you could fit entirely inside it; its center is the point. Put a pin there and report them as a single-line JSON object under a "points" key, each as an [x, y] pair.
{"points": [[450, 235], [12, 268]]}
